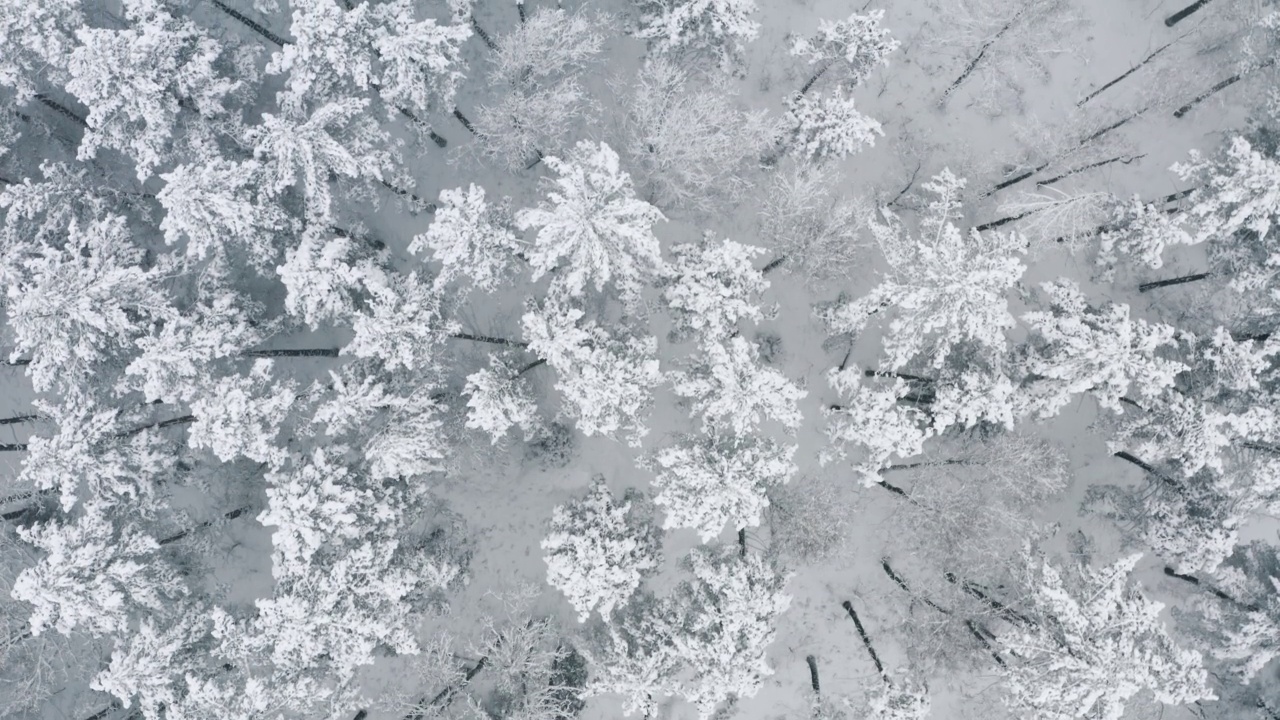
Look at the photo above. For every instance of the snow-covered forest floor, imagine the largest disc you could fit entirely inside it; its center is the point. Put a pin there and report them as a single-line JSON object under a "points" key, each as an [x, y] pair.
{"points": [[324, 318]]}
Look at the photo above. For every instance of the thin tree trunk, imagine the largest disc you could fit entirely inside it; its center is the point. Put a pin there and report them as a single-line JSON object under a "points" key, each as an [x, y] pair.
{"points": [[430, 207], [976, 591], [809, 83], [27, 495], [444, 696], [866, 640], [1126, 74], [1184, 13], [1217, 88], [1110, 127], [982, 51], [372, 242], [1192, 579], [1126, 159], [938, 463], [897, 579], [742, 542], [813, 673], [1129, 457], [18, 419], [520, 9], [894, 489], [489, 339], [61, 109], [1144, 287], [537, 158], [905, 188], [432, 133], [465, 122], [1004, 221], [158, 425], [250, 24], [104, 711], [231, 515], [982, 640], [890, 373], [361, 715], [13, 447], [1018, 178], [483, 35], [774, 264], [304, 352], [532, 365]]}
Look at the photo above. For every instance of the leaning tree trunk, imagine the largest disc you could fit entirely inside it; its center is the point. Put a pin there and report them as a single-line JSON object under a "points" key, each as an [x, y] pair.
{"points": [[1218, 88], [1126, 159], [480, 32], [1130, 458], [774, 264], [443, 697], [982, 52], [974, 629], [61, 109], [489, 339], [1184, 13], [808, 85], [866, 639], [303, 352], [1124, 75], [1216, 592], [1144, 287], [813, 673], [256, 27], [230, 515], [465, 122], [977, 591]]}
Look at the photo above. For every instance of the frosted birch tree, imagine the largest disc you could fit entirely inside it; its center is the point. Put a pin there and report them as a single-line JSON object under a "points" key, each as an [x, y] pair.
{"points": [[707, 482], [594, 224], [598, 551]]}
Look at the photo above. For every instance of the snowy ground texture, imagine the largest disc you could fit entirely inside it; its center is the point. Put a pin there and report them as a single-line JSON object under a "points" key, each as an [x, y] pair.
{"points": [[403, 359]]}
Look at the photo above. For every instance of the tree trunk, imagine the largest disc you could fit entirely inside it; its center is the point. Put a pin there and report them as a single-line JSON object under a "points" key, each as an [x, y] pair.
{"points": [[1129, 457], [465, 122], [272, 37], [897, 579], [893, 489], [61, 109], [862, 633], [115, 705], [1192, 579], [1216, 88], [520, 9], [1119, 158], [773, 264], [813, 673], [13, 447], [231, 515], [305, 352], [938, 463], [1124, 75], [982, 51], [976, 591], [982, 640], [1110, 127], [809, 83], [532, 365], [483, 35], [1003, 221], [489, 339], [372, 242], [890, 373], [1184, 13], [159, 425], [432, 133], [18, 419], [27, 495], [537, 158], [444, 696], [1018, 178], [430, 207], [1172, 281], [742, 542]]}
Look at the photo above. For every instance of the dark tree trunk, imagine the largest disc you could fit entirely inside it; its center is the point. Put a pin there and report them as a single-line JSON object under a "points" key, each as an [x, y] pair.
{"points": [[480, 32], [813, 672], [1129, 457], [361, 715], [866, 640], [489, 339], [27, 495], [305, 352], [982, 640], [975, 590], [1018, 178], [13, 447], [537, 158], [893, 489], [272, 37], [890, 373], [444, 696], [1217, 88], [372, 242], [1144, 287], [1184, 13], [900, 582], [809, 83], [1003, 221], [18, 419], [159, 425], [20, 362], [1119, 158], [61, 109], [742, 542], [104, 711], [1126, 74], [1192, 579], [982, 51], [1109, 128], [430, 207], [432, 133], [520, 9], [231, 515], [465, 122], [774, 264], [938, 463], [536, 363]]}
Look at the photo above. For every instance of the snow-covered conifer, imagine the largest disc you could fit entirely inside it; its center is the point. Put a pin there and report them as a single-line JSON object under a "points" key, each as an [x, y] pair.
{"points": [[332, 46], [598, 551], [215, 204], [715, 29], [708, 482], [710, 287], [421, 60], [472, 240], [242, 414], [1097, 642], [945, 289], [594, 223], [851, 49], [809, 225], [324, 276], [730, 388], [499, 399], [402, 323], [1142, 231], [825, 127], [1239, 190], [1103, 351], [606, 379], [874, 420], [97, 575]]}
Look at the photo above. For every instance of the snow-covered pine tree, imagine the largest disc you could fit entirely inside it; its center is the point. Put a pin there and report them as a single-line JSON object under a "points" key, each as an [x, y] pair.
{"points": [[594, 224], [474, 241], [710, 287], [1237, 190], [945, 289], [828, 127], [732, 391], [598, 551], [849, 49], [499, 398], [875, 421], [707, 482], [1097, 641], [1077, 348], [1141, 231], [606, 379], [809, 226]]}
